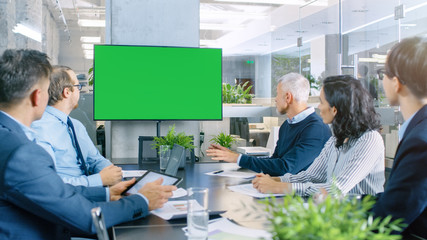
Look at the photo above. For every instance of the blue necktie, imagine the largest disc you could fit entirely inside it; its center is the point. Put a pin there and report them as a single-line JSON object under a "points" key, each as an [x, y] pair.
{"points": [[77, 146]]}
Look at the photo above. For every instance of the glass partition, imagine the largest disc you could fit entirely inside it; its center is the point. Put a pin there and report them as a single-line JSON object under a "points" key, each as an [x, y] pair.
{"points": [[319, 39]]}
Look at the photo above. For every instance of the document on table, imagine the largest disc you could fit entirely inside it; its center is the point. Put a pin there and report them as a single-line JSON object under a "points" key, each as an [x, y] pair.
{"points": [[222, 229], [232, 173], [174, 209], [180, 192], [178, 209], [248, 189], [133, 173]]}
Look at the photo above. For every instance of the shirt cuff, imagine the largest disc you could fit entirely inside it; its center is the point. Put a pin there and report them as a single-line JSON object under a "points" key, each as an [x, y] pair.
{"points": [[107, 194], [298, 188], [146, 199], [285, 178], [238, 159], [94, 180]]}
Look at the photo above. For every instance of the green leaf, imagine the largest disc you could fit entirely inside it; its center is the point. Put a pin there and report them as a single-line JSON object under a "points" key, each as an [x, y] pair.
{"points": [[172, 138], [334, 218]]}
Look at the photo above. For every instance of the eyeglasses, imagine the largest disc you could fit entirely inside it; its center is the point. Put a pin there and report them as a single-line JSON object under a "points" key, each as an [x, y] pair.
{"points": [[381, 73], [79, 86]]}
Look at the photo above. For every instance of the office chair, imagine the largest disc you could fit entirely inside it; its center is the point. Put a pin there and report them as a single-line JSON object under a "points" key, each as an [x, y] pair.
{"points": [[98, 221], [145, 149]]}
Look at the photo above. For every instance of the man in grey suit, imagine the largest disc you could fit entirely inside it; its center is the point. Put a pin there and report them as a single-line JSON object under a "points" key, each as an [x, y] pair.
{"points": [[34, 201]]}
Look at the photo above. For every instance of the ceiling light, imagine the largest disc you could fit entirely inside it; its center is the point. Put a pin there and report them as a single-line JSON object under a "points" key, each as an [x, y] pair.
{"points": [[28, 32], [379, 56], [90, 39], [373, 60], [222, 27], [91, 23], [87, 46], [88, 54]]}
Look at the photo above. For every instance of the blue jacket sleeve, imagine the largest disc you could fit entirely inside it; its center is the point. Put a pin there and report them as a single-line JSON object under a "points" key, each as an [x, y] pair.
{"points": [[31, 183], [406, 192], [307, 148]]}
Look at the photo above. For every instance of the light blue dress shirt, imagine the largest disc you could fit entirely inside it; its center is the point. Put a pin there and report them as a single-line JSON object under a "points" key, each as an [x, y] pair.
{"points": [[296, 119], [54, 136], [301, 116], [404, 126]]}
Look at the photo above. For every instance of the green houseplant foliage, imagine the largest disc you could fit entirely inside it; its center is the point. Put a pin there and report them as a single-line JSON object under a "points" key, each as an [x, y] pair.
{"points": [[223, 139], [334, 218], [314, 84], [173, 138], [90, 78], [236, 94]]}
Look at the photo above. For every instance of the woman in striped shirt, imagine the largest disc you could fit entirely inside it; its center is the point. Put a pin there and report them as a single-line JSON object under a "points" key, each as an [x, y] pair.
{"points": [[352, 160]]}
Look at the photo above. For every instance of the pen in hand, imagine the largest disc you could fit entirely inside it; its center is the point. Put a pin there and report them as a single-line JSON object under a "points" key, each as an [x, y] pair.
{"points": [[219, 171]]}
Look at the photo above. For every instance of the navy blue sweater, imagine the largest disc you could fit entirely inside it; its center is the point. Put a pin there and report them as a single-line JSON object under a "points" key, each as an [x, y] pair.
{"points": [[298, 145]]}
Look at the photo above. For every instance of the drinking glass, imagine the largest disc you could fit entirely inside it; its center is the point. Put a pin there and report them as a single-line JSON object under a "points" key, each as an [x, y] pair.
{"points": [[197, 217]]}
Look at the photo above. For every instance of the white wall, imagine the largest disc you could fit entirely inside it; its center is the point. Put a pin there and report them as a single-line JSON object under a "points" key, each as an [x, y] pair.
{"points": [[150, 22]]}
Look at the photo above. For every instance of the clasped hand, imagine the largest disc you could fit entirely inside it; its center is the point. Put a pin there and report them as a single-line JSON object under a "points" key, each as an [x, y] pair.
{"points": [[266, 184]]}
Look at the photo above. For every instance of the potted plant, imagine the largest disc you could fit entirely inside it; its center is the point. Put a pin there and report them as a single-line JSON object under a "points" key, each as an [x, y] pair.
{"points": [[236, 94], [334, 218], [169, 140], [90, 78], [223, 139], [172, 138], [314, 84]]}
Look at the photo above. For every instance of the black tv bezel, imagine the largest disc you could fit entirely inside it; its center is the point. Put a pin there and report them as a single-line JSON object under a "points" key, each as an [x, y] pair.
{"points": [[160, 119]]}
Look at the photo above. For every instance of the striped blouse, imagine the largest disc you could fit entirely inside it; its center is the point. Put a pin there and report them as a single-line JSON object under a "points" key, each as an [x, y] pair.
{"points": [[355, 168]]}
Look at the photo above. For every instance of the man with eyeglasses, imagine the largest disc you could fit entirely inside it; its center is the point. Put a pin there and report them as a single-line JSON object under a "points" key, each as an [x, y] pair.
{"points": [[405, 85], [76, 158]]}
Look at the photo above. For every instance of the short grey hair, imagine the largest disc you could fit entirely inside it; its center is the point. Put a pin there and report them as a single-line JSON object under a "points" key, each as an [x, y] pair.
{"points": [[297, 85]]}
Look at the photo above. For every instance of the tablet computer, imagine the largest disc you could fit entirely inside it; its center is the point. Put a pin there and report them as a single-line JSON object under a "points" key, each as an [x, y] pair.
{"points": [[151, 176], [175, 159]]}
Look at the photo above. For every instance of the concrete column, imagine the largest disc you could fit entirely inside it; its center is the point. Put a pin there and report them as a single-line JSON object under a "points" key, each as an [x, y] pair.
{"points": [[331, 50], [29, 13], [263, 76], [50, 36], [7, 22], [155, 23], [318, 54]]}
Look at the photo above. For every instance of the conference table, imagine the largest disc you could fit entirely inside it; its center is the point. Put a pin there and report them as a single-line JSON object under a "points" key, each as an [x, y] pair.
{"points": [[242, 209]]}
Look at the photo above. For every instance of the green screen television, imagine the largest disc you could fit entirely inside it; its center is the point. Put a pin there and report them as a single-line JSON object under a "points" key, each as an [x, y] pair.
{"points": [[157, 83]]}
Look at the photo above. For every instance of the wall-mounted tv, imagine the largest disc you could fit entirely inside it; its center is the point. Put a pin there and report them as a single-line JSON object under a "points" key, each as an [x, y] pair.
{"points": [[157, 83]]}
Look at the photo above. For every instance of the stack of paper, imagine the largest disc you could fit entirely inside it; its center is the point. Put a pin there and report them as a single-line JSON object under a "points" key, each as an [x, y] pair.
{"points": [[222, 229], [248, 189]]}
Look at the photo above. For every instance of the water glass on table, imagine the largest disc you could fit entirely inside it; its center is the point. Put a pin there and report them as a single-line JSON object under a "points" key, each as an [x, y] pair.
{"points": [[198, 216]]}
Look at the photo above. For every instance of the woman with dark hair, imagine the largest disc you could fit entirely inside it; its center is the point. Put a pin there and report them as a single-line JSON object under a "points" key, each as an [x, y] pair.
{"points": [[352, 161]]}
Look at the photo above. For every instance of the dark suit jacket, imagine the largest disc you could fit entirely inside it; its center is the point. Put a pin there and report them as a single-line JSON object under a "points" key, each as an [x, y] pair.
{"points": [[34, 201], [405, 195]]}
